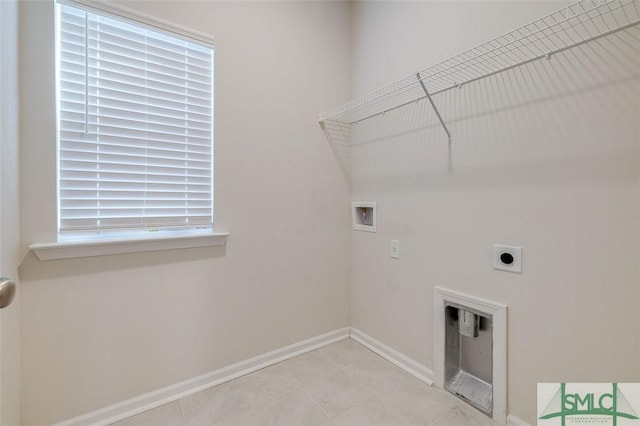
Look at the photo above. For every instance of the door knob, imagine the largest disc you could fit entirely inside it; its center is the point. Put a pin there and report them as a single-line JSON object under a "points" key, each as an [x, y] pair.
{"points": [[7, 292]]}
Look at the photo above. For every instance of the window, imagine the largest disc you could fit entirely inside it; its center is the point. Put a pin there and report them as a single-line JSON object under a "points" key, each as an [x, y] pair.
{"points": [[135, 127]]}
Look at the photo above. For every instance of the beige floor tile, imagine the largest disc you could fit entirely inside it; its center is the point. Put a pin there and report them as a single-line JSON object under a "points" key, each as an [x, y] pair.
{"points": [[459, 416], [419, 405], [272, 381], [222, 402], [347, 352], [337, 392], [256, 417], [246, 418], [377, 371], [166, 415], [294, 408], [308, 366], [418, 402], [378, 415]]}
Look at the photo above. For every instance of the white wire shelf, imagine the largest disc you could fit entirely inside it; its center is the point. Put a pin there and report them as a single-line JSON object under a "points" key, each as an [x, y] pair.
{"points": [[582, 22]]}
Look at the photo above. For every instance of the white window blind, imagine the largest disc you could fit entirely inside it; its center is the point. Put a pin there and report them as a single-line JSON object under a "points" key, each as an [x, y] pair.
{"points": [[135, 126]]}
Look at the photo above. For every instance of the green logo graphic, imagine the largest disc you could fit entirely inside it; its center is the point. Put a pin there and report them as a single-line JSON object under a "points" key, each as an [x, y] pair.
{"points": [[612, 404]]}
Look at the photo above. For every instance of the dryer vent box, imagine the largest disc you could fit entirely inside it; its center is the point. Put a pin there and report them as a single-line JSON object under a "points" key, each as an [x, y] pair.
{"points": [[363, 215]]}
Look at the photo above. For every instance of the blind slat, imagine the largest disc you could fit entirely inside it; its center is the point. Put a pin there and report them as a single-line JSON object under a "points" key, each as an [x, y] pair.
{"points": [[135, 126]]}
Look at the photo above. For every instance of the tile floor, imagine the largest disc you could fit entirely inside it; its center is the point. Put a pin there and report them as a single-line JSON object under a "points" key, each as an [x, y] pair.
{"points": [[340, 384]]}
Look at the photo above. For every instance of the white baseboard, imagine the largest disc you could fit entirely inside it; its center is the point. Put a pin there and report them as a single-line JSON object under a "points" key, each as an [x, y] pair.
{"points": [[153, 399], [515, 421], [407, 364]]}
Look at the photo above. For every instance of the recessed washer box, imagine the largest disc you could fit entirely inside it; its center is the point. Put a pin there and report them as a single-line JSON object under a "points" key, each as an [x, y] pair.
{"points": [[363, 215]]}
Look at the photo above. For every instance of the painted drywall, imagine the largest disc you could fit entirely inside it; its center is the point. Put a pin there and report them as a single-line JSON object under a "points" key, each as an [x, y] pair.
{"points": [[104, 329], [545, 157], [9, 214]]}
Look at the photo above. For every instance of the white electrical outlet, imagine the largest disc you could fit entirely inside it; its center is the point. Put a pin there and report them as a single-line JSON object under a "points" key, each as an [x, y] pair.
{"points": [[507, 258], [395, 249]]}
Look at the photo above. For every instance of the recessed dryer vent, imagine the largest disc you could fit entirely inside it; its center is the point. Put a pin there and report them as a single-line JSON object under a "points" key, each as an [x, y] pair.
{"points": [[470, 358], [364, 215]]}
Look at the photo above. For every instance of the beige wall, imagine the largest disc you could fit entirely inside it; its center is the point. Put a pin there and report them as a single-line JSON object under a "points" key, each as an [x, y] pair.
{"points": [[99, 330], [545, 157]]}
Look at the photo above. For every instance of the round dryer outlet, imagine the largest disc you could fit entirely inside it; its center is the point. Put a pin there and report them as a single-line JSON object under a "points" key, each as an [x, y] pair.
{"points": [[507, 258]]}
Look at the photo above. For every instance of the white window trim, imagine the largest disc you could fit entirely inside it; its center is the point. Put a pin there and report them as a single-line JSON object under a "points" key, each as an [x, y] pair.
{"points": [[92, 247], [141, 243]]}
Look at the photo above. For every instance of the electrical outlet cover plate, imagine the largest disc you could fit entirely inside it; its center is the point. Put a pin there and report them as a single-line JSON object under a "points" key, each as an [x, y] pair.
{"points": [[395, 249], [507, 258]]}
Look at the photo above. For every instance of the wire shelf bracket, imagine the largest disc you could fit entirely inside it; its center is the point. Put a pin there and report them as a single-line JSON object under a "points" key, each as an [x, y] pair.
{"points": [[579, 23], [433, 105]]}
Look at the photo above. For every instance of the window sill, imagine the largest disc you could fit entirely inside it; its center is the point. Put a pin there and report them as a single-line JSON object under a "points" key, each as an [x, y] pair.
{"points": [[73, 249]]}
